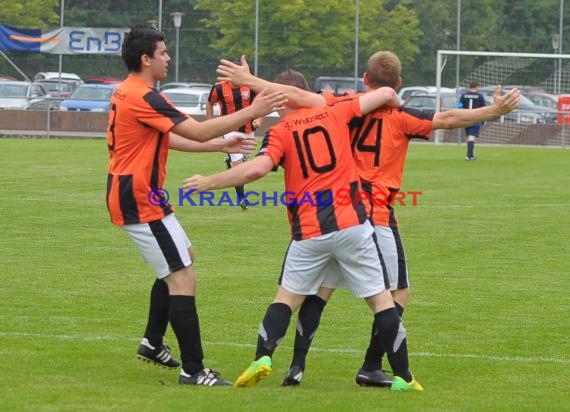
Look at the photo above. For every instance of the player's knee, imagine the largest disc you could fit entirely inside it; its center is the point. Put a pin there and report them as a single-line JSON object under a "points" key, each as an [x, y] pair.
{"points": [[380, 301], [401, 296], [182, 282]]}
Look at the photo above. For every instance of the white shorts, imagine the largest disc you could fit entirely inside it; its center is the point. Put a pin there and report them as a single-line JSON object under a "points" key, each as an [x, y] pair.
{"points": [[163, 244], [354, 252], [392, 251], [393, 256], [234, 157]]}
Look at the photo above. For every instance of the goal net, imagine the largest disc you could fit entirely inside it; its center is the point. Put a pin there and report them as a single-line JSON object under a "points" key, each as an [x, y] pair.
{"points": [[543, 117]]}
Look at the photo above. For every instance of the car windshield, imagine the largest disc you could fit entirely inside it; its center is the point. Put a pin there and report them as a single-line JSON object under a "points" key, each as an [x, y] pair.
{"points": [[418, 101], [13, 90], [91, 93], [421, 101], [183, 99], [57, 87]]}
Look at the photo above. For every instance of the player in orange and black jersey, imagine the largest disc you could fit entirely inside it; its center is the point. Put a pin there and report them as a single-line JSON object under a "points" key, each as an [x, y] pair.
{"points": [[142, 126], [312, 145], [231, 98], [380, 143]]}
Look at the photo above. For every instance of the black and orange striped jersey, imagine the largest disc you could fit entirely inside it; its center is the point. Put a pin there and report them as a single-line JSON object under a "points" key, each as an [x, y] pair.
{"points": [[321, 180], [140, 119], [380, 143], [232, 98]]}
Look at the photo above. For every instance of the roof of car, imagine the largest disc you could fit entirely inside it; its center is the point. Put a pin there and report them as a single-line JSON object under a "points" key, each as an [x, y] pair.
{"points": [[56, 75]]}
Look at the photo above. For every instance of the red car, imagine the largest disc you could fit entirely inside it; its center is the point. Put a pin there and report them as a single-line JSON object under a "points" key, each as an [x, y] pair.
{"points": [[102, 80]]}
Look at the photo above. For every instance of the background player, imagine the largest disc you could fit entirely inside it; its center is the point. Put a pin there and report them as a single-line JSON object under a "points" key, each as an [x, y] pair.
{"points": [[230, 99], [472, 99]]}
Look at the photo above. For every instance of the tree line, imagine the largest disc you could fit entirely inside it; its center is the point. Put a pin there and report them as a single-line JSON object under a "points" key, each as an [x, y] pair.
{"points": [[316, 37]]}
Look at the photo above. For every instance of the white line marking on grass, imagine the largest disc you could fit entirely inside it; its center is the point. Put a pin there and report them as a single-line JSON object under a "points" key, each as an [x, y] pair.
{"points": [[491, 206], [495, 358]]}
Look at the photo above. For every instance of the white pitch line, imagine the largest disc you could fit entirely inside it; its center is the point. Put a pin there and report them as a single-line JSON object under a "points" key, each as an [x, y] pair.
{"points": [[427, 205], [494, 358]]}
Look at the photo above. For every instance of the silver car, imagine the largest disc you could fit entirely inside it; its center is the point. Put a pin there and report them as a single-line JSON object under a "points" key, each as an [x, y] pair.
{"points": [[23, 95]]}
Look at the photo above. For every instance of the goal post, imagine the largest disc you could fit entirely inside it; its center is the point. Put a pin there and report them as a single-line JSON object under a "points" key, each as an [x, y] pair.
{"points": [[540, 76]]}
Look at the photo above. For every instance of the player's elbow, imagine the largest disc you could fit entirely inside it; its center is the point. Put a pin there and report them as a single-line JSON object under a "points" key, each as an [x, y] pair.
{"points": [[255, 173], [447, 120], [257, 168]]}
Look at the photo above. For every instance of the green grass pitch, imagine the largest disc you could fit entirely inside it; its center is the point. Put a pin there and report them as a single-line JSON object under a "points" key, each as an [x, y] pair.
{"points": [[488, 322]]}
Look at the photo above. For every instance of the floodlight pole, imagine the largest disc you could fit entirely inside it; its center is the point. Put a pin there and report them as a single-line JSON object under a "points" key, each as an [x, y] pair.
{"points": [[555, 44], [177, 19], [458, 45], [159, 27], [60, 57], [256, 51], [356, 31], [560, 32]]}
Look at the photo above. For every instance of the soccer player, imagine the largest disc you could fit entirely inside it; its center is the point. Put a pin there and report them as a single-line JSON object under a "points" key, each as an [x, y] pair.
{"points": [[380, 143], [312, 145], [472, 99], [230, 99], [139, 134]]}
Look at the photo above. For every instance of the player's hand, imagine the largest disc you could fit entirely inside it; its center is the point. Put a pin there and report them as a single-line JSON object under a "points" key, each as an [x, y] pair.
{"points": [[242, 144], [268, 102], [394, 101], [197, 184], [232, 72], [256, 123], [506, 103]]}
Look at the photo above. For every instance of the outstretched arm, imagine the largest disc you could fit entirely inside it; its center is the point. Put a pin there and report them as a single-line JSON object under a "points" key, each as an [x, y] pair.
{"points": [[457, 118], [265, 103], [245, 145], [239, 74], [239, 175], [378, 97]]}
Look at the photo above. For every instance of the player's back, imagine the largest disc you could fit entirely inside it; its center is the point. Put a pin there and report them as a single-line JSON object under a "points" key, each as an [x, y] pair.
{"points": [[313, 147], [232, 98], [380, 143]]}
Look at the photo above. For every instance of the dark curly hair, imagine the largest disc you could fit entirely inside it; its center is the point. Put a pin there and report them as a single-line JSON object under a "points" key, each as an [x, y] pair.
{"points": [[141, 40]]}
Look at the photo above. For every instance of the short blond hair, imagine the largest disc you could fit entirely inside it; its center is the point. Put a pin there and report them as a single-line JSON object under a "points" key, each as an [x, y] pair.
{"points": [[383, 69], [293, 78]]}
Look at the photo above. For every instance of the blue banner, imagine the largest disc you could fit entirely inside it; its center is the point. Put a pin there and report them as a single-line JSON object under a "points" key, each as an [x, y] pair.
{"points": [[64, 40]]}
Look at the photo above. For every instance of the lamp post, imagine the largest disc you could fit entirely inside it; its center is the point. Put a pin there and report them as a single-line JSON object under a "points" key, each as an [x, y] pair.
{"points": [[177, 20], [555, 44], [560, 33], [356, 33], [256, 40], [458, 45]]}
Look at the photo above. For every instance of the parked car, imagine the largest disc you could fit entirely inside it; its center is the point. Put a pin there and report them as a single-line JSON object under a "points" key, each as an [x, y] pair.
{"points": [[103, 80], [56, 76], [339, 85], [89, 98], [190, 100], [59, 89], [177, 85], [527, 112], [23, 95], [543, 99], [426, 102], [408, 91]]}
